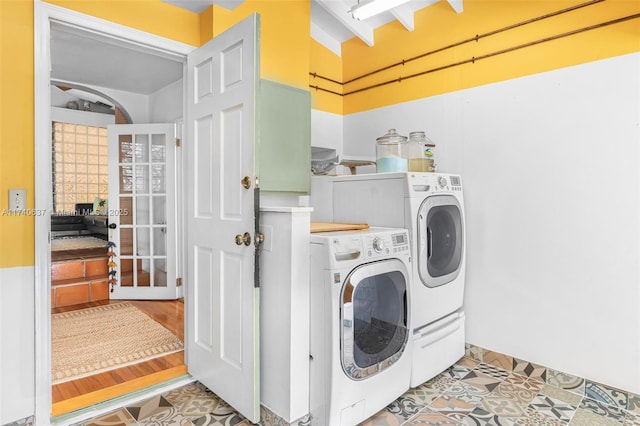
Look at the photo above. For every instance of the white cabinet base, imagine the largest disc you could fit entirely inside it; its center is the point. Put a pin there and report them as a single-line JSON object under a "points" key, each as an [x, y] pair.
{"points": [[284, 311]]}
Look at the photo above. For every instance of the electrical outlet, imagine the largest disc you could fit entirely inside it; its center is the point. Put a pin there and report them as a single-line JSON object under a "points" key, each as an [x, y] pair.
{"points": [[17, 200]]}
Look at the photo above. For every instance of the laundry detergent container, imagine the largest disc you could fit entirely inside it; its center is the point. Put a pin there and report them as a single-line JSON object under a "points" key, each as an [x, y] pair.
{"points": [[391, 153], [420, 153]]}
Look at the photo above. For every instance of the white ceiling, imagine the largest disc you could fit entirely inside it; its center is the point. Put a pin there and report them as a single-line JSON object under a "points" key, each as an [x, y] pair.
{"points": [[82, 57], [331, 21], [333, 18], [198, 6], [90, 59]]}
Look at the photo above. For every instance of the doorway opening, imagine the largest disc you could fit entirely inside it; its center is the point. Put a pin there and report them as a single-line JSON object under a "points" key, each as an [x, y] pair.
{"points": [[91, 361], [140, 85], [211, 264]]}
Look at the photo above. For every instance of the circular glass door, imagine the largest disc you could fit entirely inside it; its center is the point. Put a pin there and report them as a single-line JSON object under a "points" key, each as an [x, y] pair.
{"points": [[374, 317], [440, 239]]}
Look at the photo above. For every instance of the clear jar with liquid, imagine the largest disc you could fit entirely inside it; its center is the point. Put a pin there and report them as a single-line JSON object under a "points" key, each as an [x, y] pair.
{"points": [[391, 152], [420, 153]]}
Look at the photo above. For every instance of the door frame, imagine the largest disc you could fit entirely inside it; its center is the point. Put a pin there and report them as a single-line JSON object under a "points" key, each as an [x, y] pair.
{"points": [[44, 13]]}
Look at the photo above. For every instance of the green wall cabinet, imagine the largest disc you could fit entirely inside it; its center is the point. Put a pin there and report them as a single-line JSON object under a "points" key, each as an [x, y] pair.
{"points": [[284, 138]]}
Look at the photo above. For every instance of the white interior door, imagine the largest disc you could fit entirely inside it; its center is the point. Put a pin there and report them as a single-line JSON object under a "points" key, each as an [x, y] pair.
{"points": [[142, 211], [222, 334]]}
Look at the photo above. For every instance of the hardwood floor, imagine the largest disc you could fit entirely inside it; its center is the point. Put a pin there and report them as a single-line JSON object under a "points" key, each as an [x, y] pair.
{"points": [[86, 391]]}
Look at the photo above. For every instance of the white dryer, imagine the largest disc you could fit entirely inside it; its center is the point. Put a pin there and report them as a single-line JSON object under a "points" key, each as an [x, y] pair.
{"points": [[431, 207], [360, 358]]}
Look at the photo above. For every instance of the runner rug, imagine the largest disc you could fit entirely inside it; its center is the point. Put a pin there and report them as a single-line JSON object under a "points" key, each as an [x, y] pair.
{"points": [[94, 340]]}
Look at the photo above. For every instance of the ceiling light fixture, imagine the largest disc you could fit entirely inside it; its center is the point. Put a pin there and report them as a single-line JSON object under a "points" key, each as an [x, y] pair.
{"points": [[367, 9]]}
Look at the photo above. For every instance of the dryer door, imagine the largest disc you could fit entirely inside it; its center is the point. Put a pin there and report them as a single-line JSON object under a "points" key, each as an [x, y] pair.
{"points": [[440, 240], [374, 316]]}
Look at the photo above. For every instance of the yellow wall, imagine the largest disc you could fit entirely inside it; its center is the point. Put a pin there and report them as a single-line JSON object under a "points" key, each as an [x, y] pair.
{"points": [[284, 37], [206, 25], [326, 63], [285, 44], [438, 25], [16, 129], [16, 97]]}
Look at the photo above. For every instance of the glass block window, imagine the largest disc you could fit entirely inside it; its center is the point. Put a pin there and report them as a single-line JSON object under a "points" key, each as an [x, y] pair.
{"points": [[80, 171]]}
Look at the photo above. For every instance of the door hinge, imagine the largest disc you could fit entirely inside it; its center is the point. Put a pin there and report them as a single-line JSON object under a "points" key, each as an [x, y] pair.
{"points": [[178, 282], [178, 142]]}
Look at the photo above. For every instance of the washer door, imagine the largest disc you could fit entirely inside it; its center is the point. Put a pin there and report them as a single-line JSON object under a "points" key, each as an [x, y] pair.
{"points": [[374, 316], [440, 240]]}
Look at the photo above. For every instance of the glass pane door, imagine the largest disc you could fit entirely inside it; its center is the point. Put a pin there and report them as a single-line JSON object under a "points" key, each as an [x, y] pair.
{"points": [[143, 231], [143, 234]]}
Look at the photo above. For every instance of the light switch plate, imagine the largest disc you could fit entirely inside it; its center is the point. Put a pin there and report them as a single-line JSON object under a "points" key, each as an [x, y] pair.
{"points": [[17, 200]]}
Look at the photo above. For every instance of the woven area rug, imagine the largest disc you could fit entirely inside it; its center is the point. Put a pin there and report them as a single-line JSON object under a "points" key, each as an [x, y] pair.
{"points": [[94, 340], [77, 243], [77, 247]]}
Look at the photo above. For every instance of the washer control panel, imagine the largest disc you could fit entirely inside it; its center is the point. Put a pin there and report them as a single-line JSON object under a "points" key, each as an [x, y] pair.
{"points": [[352, 247], [386, 243]]}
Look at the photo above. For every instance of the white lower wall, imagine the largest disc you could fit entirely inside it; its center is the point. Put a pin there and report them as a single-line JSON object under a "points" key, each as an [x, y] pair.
{"points": [[326, 130], [552, 190], [17, 335]]}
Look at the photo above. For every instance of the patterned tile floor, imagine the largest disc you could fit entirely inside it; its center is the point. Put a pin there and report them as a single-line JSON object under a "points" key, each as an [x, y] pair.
{"points": [[470, 393], [190, 405]]}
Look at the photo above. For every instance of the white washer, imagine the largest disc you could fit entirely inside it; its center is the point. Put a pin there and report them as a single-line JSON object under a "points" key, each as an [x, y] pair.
{"points": [[360, 356], [431, 207]]}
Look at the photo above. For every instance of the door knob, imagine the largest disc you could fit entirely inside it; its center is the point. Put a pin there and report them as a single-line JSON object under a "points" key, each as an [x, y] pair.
{"points": [[243, 239], [112, 226], [246, 182]]}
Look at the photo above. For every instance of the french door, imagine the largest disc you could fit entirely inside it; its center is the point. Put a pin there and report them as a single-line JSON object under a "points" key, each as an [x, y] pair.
{"points": [[142, 211]]}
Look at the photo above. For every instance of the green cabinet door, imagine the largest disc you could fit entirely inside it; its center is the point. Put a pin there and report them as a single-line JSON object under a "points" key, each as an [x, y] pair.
{"points": [[284, 138]]}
